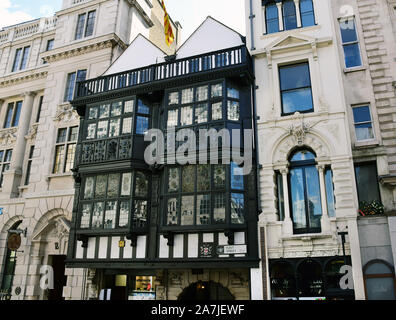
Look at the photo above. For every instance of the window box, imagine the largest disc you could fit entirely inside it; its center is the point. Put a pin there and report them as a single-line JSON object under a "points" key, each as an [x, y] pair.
{"points": [[371, 208]]}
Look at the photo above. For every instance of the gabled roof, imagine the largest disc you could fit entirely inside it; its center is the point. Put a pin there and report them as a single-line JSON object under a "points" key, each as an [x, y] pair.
{"points": [[211, 35], [140, 53]]}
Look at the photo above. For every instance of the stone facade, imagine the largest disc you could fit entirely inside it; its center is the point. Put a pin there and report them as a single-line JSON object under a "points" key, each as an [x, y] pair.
{"points": [[44, 205], [325, 131]]}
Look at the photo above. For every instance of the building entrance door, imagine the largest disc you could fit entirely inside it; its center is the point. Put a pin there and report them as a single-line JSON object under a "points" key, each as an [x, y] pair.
{"points": [[201, 291], [58, 265]]}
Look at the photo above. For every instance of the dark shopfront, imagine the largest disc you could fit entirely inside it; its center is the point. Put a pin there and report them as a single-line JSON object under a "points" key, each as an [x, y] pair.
{"points": [[309, 279]]}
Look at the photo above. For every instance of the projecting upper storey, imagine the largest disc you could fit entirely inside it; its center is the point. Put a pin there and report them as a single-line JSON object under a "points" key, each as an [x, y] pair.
{"points": [[143, 67]]}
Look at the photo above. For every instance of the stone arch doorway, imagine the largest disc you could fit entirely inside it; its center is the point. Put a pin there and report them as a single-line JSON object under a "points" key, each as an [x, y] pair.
{"points": [[204, 291], [48, 254]]}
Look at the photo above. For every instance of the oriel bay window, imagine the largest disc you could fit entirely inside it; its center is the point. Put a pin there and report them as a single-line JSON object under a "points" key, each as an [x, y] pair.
{"points": [[115, 201], [204, 195], [109, 127]]}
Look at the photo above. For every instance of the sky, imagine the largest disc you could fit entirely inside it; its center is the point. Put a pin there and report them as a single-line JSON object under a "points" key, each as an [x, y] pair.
{"points": [[190, 13]]}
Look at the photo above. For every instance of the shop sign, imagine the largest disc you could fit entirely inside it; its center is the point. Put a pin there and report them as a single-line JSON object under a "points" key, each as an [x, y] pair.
{"points": [[235, 249]]}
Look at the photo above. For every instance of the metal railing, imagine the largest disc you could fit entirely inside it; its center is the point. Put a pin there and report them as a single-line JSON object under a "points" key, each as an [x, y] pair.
{"points": [[164, 71]]}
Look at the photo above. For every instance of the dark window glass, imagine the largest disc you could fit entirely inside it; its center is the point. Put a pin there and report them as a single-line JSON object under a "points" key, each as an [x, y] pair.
{"points": [[17, 114], [50, 45], [8, 119], [307, 13], [90, 24], [80, 26], [39, 109], [289, 15], [17, 60], [25, 58], [280, 196], [367, 182], [295, 82], [330, 193], [71, 82], [272, 18], [29, 165], [61, 135]]}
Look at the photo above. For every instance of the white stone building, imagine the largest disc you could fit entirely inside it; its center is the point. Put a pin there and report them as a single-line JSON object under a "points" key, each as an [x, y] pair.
{"points": [[40, 62], [366, 37], [308, 191]]}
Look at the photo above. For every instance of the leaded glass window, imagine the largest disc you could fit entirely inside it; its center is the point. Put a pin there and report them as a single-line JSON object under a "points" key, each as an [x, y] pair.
{"points": [[114, 123], [205, 195], [108, 200]]}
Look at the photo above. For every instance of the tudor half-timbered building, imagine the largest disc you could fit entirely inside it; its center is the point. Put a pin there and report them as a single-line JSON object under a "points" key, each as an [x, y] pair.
{"points": [[166, 230]]}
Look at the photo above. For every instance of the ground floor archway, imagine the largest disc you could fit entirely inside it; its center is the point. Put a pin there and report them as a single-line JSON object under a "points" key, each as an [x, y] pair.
{"points": [[206, 290]]}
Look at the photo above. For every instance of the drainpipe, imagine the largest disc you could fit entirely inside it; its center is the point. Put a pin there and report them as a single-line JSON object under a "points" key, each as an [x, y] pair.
{"points": [[254, 98]]}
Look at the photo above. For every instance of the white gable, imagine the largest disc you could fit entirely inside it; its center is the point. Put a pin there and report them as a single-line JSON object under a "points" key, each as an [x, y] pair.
{"points": [[140, 53], [210, 36]]}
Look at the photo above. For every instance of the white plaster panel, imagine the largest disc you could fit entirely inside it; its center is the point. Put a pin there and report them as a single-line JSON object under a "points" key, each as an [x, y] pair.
{"points": [[178, 246], [141, 247], [193, 245], [103, 248]]}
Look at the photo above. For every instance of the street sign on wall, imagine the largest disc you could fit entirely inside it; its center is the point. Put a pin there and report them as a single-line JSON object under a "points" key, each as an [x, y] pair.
{"points": [[235, 249]]}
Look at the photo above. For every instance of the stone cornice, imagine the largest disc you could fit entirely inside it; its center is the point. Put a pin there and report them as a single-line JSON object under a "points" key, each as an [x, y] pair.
{"points": [[15, 79], [84, 47]]}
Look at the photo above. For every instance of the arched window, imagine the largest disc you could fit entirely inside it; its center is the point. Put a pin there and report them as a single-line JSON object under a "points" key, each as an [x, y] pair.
{"points": [[379, 280], [283, 280], [307, 13], [306, 205], [310, 279], [272, 18], [8, 270], [289, 15]]}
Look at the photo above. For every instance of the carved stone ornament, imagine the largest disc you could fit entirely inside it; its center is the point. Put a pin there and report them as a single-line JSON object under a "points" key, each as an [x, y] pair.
{"points": [[299, 128], [65, 113], [176, 278], [32, 132], [7, 136]]}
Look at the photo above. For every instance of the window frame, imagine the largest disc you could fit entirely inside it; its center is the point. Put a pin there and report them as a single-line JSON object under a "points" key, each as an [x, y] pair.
{"points": [[66, 145], [84, 27], [367, 163], [304, 164], [119, 199], [267, 20], [357, 41], [368, 105], [20, 62], [212, 191], [29, 165], [68, 87], [16, 107], [5, 163], [313, 15], [284, 16], [280, 66]]}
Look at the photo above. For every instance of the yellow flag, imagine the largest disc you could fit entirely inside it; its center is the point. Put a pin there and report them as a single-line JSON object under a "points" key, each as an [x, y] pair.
{"points": [[169, 36]]}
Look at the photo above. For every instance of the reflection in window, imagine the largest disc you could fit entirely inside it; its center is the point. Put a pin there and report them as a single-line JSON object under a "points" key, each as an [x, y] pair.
{"points": [[330, 192], [203, 209], [350, 43], [363, 123], [187, 211], [237, 208], [272, 18], [296, 92], [307, 13], [289, 15], [305, 193]]}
